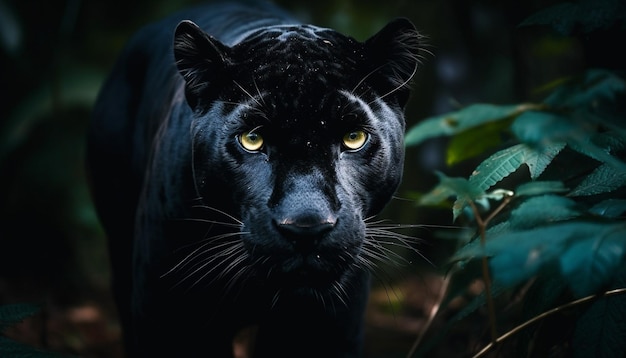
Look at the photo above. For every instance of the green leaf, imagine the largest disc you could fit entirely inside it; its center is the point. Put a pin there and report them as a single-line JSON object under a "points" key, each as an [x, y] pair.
{"points": [[15, 313], [78, 87], [538, 159], [560, 16], [540, 128], [542, 294], [460, 188], [594, 86], [601, 330], [586, 252], [514, 256], [498, 166], [611, 208], [603, 179], [539, 188], [590, 260], [587, 147], [475, 141], [459, 121], [450, 187], [13, 349], [586, 16], [507, 161], [542, 210], [610, 142]]}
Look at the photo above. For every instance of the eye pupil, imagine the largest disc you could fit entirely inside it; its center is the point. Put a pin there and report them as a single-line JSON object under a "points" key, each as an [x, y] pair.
{"points": [[252, 137]]}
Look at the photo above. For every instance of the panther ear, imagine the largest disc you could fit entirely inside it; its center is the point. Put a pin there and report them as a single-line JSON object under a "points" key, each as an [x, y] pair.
{"points": [[201, 60], [394, 54]]}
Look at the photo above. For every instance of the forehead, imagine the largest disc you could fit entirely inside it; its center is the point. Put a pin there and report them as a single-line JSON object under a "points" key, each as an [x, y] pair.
{"points": [[298, 59]]}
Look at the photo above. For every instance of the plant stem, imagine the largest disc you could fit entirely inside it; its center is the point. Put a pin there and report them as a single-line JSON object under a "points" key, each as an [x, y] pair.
{"points": [[482, 228], [431, 317], [517, 329], [486, 275]]}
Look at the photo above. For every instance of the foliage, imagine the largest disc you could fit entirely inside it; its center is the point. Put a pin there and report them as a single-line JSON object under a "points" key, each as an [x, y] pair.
{"points": [[556, 227], [11, 315]]}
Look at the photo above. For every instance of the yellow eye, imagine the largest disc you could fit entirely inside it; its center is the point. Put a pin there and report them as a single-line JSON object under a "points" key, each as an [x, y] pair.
{"points": [[251, 141], [355, 140]]}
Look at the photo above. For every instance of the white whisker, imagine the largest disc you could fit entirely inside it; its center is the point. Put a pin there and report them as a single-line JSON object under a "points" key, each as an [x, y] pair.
{"points": [[220, 212], [248, 93]]}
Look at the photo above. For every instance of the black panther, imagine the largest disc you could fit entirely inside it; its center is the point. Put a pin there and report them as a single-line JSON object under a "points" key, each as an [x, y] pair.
{"points": [[235, 156]]}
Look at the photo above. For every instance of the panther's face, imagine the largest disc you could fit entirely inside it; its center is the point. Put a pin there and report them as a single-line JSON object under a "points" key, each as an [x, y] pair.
{"points": [[301, 130]]}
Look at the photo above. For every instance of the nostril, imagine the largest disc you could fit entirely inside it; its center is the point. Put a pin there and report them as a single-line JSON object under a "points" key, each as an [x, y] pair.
{"points": [[305, 225]]}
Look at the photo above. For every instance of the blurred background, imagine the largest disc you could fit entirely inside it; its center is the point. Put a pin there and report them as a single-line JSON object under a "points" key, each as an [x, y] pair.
{"points": [[55, 54]]}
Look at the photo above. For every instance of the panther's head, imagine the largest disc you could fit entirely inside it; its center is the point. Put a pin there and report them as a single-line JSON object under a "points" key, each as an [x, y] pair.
{"points": [[298, 133]]}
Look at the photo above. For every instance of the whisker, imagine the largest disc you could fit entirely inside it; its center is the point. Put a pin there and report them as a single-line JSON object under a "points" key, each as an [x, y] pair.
{"points": [[239, 249], [247, 93], [220, 212], [195, 254], [238, 104], [200, 264], [211, 239], [275, 298], [365, 78], [398, 87], [208, 221], [258, 91], [193, 161]]}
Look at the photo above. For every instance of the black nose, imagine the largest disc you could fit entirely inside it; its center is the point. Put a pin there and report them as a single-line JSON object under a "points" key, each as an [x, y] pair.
{"points": [[305, 230]]}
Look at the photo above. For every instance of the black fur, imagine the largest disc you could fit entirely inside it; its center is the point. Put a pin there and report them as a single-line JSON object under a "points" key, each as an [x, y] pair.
{"points": [[207, 237]]}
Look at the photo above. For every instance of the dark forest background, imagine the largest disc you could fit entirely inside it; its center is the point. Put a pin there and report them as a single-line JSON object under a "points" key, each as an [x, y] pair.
{"points": [[55, 54]]}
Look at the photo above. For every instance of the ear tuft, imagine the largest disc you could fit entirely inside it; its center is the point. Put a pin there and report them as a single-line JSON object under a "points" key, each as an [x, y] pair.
{"points": [[394, 53], [201, 60]]}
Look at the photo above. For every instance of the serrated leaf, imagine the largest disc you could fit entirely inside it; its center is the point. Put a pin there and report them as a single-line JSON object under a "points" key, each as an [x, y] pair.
{"points": [[539, 188], [14, 313], [592, 251], [560, 16], [503, 163], [514, 256], [594, 86], [585, 16], [538, 159], [610, 142], [542, 294], [548, 130], [603, 179], [542, 210], [601, 329], [589, 261], [586, 147], [459, 121], [611, 208], [498, 166]]}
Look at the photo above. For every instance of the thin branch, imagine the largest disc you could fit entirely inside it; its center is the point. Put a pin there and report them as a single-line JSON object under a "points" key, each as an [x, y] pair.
{"points": [[482, 227], [431, 317], [535, 319]]}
